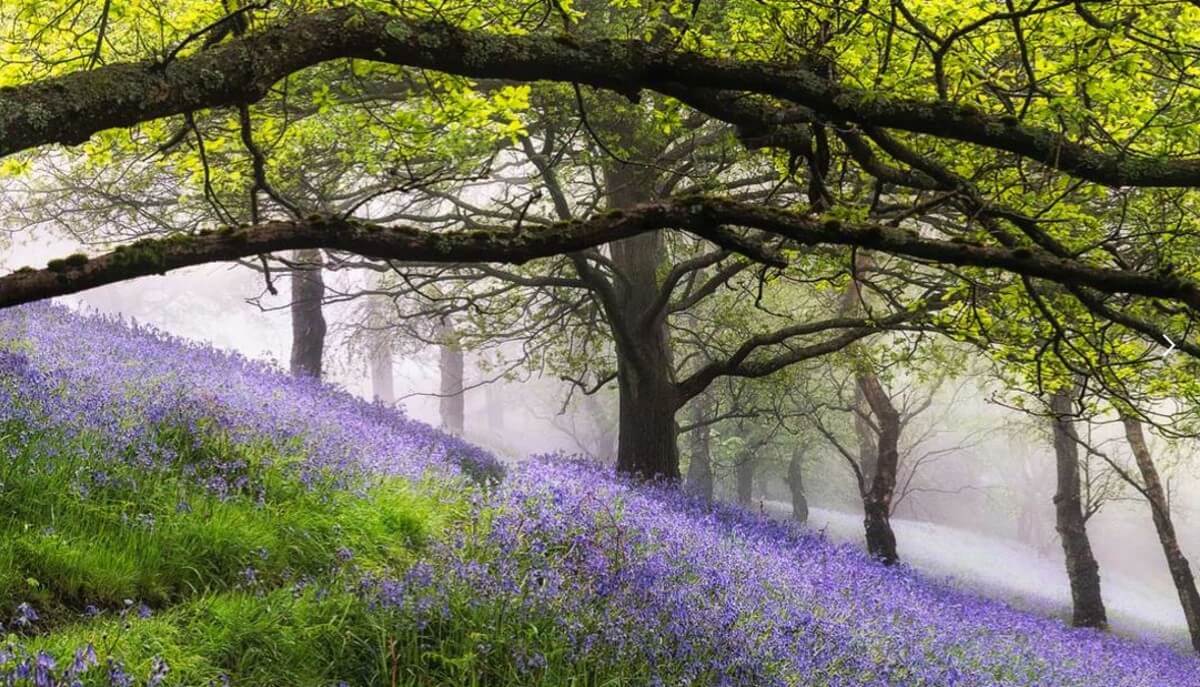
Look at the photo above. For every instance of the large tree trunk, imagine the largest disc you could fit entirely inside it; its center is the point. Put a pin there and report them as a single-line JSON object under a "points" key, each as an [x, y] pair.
{"points": [[795, 480], [308, 320], [1160, 510], [379, 338], [699, 474], [1082, 569], [646, 445], [877, 500], [451, 367]]}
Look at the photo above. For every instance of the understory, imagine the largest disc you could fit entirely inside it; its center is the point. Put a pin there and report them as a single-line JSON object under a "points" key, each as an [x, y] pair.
{"points": [[172, 515]]}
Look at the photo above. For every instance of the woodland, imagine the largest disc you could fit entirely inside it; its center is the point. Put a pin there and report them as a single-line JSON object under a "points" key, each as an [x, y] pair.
{"points": [[762, 256]]}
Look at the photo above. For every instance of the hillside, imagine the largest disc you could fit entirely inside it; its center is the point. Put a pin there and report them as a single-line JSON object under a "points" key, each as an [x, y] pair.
{"points": [[175, 515], [1025, 578]]}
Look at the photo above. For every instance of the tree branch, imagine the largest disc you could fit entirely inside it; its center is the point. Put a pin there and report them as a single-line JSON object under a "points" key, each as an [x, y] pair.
{"points": [[705, 217], [71, 108]]}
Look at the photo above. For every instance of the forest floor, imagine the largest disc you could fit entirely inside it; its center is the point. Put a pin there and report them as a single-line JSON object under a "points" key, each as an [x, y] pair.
{"points": [[174, 515], [1010, 571]]}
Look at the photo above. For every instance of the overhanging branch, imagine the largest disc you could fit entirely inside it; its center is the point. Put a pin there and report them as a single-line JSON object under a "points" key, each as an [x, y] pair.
{"points": [[709, 218]]}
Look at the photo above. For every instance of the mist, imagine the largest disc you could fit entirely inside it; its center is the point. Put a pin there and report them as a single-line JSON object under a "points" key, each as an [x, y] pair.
{"points": [[980, 466]]}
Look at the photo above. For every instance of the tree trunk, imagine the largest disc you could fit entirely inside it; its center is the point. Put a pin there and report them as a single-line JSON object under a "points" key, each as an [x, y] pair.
{"points": [[878, 445], [495, 407], [1027, 522], [451, 366], [1082, 569], [646, 444], [744, 472], [308, 320], [606, 435], [1027, 499], [877, 501], [795, 480], [699, 475], [383, 385], [1160, 510], [379, 339], [868, 442]]}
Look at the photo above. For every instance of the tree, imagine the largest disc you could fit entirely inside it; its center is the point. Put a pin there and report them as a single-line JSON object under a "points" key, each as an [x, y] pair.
{"points": [[645, 291], [380, 349], [308, 322], [795, 482], [1071, 515], [699, 482], [877, 498], [1019, 225], [1160, 511], [451, 399]]}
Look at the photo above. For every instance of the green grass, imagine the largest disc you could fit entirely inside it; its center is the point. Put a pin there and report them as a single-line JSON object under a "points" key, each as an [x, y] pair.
{"points": [[160, 538], [273, 638], [81, 533], [322, 638]]}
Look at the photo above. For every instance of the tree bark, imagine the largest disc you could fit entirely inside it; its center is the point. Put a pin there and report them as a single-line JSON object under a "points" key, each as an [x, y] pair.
{"points": [[868, 441], [744, 473], [795, 480], [877, 501], [308, 318], [1160, 511], [699, 474], [646, 445], [451, 402], [703, 217], [878, 445], [1082, 569]]}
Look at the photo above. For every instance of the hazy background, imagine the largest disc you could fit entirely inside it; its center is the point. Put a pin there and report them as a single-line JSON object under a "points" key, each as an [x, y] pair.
{"points": [[959, 522]]}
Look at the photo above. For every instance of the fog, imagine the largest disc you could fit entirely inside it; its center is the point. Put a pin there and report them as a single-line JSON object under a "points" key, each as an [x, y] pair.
{"points": [[962, 524], [958, 519]]}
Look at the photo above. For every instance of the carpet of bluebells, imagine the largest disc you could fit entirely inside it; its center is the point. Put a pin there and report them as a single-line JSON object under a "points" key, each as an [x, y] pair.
{"points": [[557, 573]]}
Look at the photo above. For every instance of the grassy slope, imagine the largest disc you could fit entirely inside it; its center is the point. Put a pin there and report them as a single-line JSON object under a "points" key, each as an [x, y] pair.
{"points": [[267, 586], [149, 564], [233, 539]]}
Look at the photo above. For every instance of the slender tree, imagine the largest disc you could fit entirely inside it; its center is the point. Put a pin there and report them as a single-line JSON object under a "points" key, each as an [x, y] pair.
{"points": [[699, 481], [795, 482], [877, 498], [1160, 511], [1083, 571], [451, 397]]}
